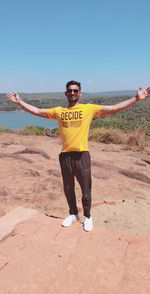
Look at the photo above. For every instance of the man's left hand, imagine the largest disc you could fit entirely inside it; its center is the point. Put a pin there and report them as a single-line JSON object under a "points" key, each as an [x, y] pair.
{"points": [[142, 93]]}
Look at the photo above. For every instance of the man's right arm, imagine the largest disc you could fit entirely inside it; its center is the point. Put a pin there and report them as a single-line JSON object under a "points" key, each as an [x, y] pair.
{"points": [[15, 98]]}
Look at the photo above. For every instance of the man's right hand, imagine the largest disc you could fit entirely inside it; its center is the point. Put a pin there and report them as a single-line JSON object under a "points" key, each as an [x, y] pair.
{"points": [[14, 97]]}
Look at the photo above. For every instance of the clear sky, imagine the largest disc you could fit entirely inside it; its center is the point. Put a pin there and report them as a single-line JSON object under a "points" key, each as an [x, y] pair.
{"points": [[104, 44]]}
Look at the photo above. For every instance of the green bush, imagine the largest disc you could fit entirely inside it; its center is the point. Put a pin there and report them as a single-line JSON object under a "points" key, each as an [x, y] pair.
{"points": [[125, 124], [55, 131]]}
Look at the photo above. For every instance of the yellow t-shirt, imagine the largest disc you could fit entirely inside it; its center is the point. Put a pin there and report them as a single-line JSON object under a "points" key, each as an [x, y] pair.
{"points": [[74, 124]]}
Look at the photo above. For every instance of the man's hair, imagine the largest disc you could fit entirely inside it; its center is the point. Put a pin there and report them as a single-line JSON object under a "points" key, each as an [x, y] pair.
{"points": [[73, 83]]}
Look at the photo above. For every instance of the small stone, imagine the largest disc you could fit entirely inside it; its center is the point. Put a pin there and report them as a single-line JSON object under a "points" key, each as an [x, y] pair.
{"points": [[106, 221]]}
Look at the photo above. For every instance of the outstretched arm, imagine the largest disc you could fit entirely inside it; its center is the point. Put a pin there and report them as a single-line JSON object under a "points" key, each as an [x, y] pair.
{"points": [[141, 95], [15, 98]]}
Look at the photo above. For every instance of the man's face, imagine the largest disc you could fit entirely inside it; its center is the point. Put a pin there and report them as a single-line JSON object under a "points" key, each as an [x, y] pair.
{"points": [[73, 94]]}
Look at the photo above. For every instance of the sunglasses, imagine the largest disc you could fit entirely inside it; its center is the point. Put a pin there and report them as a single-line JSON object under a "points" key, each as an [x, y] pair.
{"points": [[76, 91]]}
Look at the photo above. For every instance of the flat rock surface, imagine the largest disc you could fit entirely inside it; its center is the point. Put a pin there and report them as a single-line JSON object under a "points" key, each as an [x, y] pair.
{"points": [[41, 257], [12, 218], [38, 256]]}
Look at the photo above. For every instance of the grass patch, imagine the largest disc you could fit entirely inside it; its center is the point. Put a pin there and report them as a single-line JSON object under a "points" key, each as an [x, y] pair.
{"points": [[134, 140], [7, 131], [137, 139], [32, 130], [107, 136]]}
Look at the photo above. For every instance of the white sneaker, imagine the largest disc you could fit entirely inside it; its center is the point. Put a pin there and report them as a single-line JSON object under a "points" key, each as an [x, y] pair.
{"points": [[88, 225], [69, 220]]}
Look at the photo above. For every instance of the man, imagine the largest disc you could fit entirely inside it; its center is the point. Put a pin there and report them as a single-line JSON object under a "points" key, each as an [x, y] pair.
{"points": [[75, 158]]}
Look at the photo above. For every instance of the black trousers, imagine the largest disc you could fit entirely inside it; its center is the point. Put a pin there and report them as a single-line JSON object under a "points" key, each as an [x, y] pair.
{"points": [[76, 164]]}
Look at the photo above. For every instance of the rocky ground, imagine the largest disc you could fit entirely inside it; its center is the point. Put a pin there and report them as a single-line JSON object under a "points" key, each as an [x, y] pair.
{"points": [[38, 255], [30, 177]]}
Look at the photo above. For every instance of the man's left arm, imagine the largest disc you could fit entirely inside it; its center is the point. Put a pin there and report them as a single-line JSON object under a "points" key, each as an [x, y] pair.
{"points": [[141, 95]]}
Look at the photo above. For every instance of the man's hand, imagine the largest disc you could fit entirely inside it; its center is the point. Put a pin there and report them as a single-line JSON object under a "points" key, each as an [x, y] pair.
{"points": [[142, 93], [14, 97]]}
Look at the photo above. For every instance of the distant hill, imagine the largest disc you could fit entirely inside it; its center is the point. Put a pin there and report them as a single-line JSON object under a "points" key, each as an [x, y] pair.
{"points": [[61, 95], [48, 100], [116, 93]]}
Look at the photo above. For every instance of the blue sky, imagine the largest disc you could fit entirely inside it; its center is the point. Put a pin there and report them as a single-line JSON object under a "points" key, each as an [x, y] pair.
{"points": [[104, 44]]}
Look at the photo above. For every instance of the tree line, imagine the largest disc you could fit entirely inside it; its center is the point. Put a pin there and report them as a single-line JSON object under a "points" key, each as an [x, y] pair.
{"points": [[137, 116]]}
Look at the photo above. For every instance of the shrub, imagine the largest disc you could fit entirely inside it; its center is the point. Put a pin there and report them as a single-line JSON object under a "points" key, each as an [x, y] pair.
{"points": [[107, 136], [137, 138], [52, 132], [8, 131], [56, 132], [32, 130]]}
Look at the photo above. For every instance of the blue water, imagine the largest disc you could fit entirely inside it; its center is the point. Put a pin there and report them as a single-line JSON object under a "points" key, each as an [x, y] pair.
{"points": [[18, 120]]}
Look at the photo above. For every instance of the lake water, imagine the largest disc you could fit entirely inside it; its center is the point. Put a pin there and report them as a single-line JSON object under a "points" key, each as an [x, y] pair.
{"points": [[18, 120]]}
